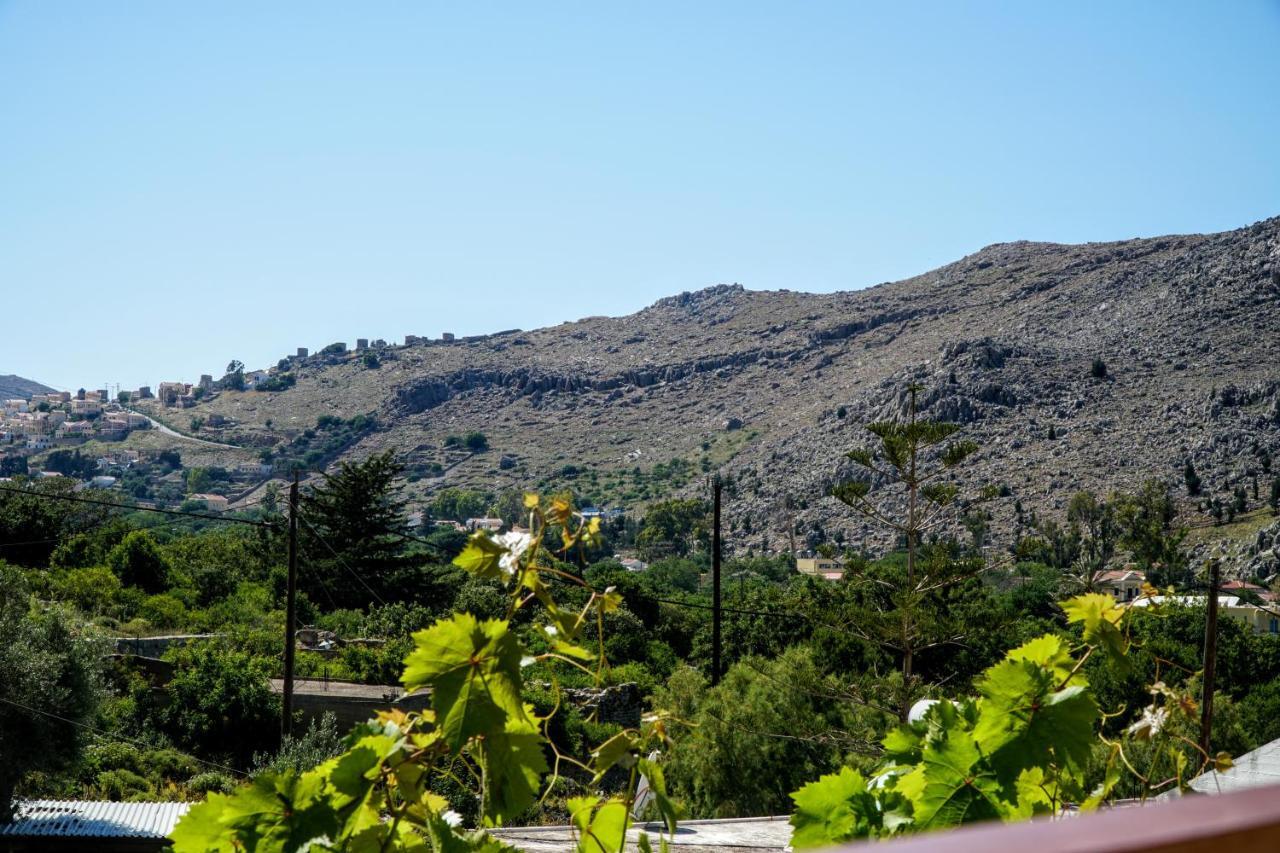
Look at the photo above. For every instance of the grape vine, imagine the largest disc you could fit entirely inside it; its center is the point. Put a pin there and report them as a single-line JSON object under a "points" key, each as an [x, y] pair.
{"points": [[479, 732], [1031, 743]]}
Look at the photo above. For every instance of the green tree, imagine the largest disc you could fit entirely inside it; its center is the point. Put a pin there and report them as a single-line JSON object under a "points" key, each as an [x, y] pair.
{"points": [[767, 728], [137, 561], [1239, 500], [34, 519], [45, 666], [220, 704], [476, 442], [460, 504], [354, 524], [904, 626], [234, 378], [1098, 369], [674, 528], [1191, 478], [1274, 500], [1093, 521]]}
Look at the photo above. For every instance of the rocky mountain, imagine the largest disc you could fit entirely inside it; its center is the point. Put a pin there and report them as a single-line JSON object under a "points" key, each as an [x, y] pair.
{"points": [[770, 388], [13, 387]]}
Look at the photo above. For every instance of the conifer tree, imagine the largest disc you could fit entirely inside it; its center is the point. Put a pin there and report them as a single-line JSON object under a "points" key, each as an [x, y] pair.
{"points": [[352, 533], [1192, 479], [905, 456]]}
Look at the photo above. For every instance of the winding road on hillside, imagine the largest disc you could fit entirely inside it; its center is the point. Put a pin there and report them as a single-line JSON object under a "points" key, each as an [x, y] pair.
{"points": [[155, 424]]}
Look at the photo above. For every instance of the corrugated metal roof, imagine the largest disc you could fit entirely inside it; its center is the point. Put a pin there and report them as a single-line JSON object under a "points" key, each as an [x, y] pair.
{"points": [[92, 819]]}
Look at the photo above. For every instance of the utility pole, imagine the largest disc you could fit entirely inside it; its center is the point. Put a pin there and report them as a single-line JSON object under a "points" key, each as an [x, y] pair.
{"points": [[290, 611], [715, 581], [1210, 657]]}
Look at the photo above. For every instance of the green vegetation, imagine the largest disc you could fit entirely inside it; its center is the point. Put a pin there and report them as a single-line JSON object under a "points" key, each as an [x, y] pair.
{"points": [[814, 687], [44, 663]]}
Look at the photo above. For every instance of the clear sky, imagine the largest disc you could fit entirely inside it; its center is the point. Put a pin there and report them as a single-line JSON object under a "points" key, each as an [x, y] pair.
{"points": [[186, 183]]}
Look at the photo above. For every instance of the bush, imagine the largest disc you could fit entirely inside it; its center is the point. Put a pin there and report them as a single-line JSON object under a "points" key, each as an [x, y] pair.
{"points": [[164, 611], [137, 561], [1098, 370], [320, 742], [93, 590], [212, 782], [221, 704]]}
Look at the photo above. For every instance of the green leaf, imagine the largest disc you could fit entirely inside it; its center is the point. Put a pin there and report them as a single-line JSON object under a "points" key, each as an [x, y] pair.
{"points": [[276, 812], [1051, 652], [658, 788], [850, 493], [473, 670], [958, 787], [863, 457], [941, 494], [1023, 722], [480, 556], [837, 807], [513, 763], [957, 453], [619, 749], [600, 830], [903, 745], [1100, 616], [201, 829]]}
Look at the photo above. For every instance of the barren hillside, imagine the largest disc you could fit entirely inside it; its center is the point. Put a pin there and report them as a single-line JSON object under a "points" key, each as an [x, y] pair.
{"points": [[770, 388]]}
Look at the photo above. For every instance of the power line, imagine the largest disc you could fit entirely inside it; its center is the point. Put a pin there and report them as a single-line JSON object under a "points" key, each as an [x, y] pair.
{"points": [[134, 529], [116, 737], [132, 508]]}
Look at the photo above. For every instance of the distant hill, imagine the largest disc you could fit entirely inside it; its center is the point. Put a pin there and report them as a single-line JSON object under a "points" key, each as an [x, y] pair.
{"points": [[12, 387], [771, 388]]}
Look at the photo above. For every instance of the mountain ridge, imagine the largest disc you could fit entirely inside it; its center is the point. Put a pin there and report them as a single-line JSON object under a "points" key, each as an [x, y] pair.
{"points": [[13, 386], [770, 387]]}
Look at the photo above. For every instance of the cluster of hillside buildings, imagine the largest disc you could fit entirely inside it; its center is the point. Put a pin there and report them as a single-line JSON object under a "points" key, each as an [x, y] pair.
{"points": [[64, 418], [1254, 605]]}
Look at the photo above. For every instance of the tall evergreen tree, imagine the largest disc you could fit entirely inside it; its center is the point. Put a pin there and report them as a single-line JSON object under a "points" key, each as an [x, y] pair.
{"points": [[1192, 479], [352, 534], [904, 619]]}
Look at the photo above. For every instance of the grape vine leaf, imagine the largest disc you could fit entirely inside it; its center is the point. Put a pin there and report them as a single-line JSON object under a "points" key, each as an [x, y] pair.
{"points": [[1100, 618], [473, 670], [602, 829], [1023, 722], [513, 763], [958, 786], [481, 556], [837, 807]]}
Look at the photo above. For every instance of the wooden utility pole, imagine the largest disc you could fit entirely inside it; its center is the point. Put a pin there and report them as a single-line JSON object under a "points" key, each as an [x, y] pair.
{"points": [[715, 581], [290, 612], [1210, 657]]}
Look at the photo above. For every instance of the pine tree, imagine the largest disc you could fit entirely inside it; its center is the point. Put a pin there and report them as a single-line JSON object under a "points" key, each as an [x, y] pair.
{"points": [[1053, 433], [1240, 500], [905, 623], [1274, 500], [351, 533]]}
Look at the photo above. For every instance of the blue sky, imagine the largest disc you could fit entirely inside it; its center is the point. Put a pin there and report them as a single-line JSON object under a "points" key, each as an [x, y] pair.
{"points": [[186, 183]]}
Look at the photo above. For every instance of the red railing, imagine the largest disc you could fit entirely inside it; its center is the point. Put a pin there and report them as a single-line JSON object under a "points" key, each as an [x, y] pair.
{"points": [[1243, 822]]}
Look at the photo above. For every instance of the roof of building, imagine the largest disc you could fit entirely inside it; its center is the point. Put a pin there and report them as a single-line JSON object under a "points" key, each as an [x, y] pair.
{"points": [[1251, 770], [92, 819], [1119, 575], [693, 836]]}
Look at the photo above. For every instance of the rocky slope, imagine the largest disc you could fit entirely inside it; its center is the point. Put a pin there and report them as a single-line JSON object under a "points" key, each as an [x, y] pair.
{"points": [[770, 388], [14, 387]]}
